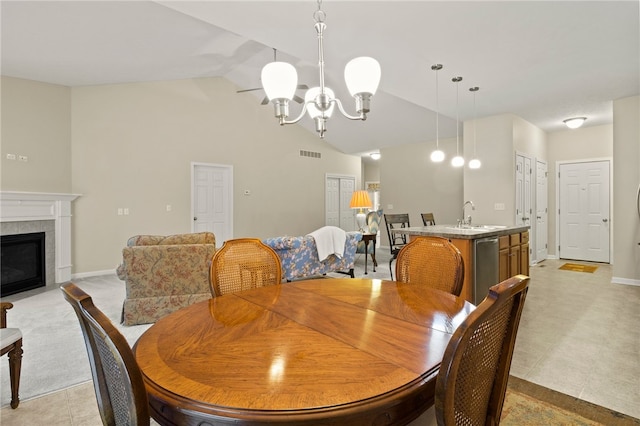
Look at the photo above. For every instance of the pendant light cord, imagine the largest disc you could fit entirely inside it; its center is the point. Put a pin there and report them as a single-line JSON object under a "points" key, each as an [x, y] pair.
{"points": [[457, 80]]}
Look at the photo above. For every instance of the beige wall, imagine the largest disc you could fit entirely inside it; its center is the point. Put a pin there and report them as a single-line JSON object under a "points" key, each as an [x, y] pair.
{"points": [[573, 145], [371, 171], [626, 179], [132, 145], [36, 123], [413, 184], [493, 182]]}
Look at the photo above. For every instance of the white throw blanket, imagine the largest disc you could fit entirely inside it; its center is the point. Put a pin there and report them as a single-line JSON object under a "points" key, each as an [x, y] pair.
{"points": [[329, 240]]}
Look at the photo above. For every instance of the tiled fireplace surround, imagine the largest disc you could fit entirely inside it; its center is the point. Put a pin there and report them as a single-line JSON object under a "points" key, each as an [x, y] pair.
{"points": [[28, 212]]}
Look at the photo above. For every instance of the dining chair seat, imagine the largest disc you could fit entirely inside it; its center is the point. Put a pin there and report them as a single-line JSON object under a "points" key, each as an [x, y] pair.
{"points": [[9, 336], [11, 344]]}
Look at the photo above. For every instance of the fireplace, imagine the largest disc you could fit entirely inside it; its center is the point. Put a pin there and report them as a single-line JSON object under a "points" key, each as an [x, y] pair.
{"points": [[33, 212], [22, 262]]}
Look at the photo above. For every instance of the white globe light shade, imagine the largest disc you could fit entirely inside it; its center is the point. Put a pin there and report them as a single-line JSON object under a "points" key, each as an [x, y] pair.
{"points": [[362, 75], [474, 164], [312, 109], [279, 80], [457, 161], [437, 156], [574, 123]]}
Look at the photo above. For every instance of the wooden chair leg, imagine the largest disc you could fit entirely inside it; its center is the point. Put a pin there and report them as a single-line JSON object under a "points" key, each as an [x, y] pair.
{"points": [[15, 364]]}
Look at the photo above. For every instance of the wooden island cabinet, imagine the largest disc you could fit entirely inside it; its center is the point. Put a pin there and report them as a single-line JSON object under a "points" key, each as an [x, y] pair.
{"points": [[513, 249], [513, 255]]}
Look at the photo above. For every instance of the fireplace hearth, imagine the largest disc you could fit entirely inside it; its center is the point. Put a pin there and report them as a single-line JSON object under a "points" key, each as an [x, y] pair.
{"points": [[22, 262]]}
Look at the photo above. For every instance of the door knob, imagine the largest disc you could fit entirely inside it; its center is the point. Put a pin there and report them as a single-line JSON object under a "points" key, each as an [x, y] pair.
{"points": [[605, 220], [195, 218], [539, 217]]}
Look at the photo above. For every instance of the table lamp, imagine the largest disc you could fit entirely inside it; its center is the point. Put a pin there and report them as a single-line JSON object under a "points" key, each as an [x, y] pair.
{"points": [[360, 200]]}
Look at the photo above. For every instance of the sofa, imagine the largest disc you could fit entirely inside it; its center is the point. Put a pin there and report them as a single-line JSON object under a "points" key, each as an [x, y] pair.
{"points": [[164, 273], [299, 256]]}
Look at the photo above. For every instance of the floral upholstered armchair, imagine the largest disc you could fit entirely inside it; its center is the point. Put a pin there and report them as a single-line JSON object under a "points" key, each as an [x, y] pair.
{"points": [[299, 256], [164, 273], [371, 227]]}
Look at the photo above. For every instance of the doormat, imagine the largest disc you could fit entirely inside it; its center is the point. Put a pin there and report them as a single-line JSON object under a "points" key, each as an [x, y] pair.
{"points": [[578, 268]]}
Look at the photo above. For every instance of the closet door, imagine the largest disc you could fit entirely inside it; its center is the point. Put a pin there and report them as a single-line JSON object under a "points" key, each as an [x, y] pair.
{"points": [[338, 190]]}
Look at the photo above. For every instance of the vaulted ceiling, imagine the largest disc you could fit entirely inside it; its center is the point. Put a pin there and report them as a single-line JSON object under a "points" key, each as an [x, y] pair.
{"points": [[541, 60]]}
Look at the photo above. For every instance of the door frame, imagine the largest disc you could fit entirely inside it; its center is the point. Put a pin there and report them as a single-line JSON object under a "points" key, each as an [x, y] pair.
{"points": [[229, 208], [557, 207]]}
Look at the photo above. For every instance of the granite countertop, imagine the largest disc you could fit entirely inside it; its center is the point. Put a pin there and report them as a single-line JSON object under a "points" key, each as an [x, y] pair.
{"points": [[465, 233]]}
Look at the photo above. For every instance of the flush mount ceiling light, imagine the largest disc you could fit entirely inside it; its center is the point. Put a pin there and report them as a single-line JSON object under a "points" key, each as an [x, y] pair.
{"points": [[474, 163], [575, 122], [437, 156], [362, 76], [375, 155], [458, 160]]}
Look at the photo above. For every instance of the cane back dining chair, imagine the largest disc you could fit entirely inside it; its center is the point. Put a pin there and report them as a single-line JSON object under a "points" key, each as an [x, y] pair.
{"points": [[11, 343], [243, 263], [117, 380], [431, 261], [428, 219], [472, 381], [396, 241]]}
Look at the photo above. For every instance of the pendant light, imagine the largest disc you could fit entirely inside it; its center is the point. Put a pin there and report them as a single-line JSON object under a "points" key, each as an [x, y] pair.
{"points": [[437, 156], [458, 160], [474, 163]]}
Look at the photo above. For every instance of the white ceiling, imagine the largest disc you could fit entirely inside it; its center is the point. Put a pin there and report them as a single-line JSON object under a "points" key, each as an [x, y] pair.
{"points": [[541, 60]]}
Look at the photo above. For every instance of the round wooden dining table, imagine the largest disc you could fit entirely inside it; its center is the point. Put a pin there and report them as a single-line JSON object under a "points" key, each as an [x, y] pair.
{"points": [[323, 351]]}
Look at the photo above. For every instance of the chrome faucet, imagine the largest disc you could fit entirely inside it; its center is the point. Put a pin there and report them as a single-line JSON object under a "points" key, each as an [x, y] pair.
{"points": [[468, 220]]}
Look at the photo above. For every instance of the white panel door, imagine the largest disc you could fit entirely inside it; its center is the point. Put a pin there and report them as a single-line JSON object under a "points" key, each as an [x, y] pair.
{"points": [[332, 201], [212, 204], [584, 211], [338, 191], [347, 215], [520, 190], [526, 192], [541, 211]]}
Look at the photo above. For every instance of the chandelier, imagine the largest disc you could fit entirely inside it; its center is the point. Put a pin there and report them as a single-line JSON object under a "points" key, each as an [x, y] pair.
{"points": [[279, 80]]}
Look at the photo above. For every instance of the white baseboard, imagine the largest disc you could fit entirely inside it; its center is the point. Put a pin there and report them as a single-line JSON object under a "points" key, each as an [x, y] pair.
{"points": [[93, 273], [625, 281]]}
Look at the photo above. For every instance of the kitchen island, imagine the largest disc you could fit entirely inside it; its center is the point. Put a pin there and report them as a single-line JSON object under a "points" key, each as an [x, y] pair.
{"points": [[481, 265]]}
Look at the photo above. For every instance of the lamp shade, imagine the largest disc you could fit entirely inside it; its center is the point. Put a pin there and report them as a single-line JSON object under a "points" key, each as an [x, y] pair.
{"points": [[312, 109], [279, 80], [360, 200], [362, 75]]}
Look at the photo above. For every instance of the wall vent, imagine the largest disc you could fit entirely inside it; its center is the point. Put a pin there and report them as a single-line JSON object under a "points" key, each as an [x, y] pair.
{"points": [[310, 154]]}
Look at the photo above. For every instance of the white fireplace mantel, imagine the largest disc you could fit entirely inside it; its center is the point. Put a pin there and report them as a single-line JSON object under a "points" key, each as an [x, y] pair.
{"points": [[28, 206]]}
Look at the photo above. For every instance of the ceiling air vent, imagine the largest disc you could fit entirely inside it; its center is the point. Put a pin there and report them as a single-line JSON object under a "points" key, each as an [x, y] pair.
{"points": [[310, 154]]}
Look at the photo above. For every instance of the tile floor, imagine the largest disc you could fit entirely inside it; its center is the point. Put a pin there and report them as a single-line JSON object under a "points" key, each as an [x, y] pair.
{"points": [[578, 335]]}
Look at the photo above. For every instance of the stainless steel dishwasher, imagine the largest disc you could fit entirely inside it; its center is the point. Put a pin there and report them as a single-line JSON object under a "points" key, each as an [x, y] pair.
{"points": [[485, 262]]}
